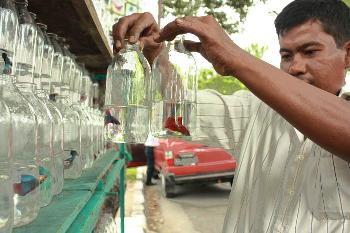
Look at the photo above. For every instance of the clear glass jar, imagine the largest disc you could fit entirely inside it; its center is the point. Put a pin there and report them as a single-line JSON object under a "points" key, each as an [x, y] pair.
{"points": [[57, 64], [68, 71], [44, 140], [25, 49], [87, 158], [8, 34], [71, 134], [174, 92], [96, 140], [127, 97], [87, 150], [101, 134], [57, 142], [6, 194], [48, 53], [25, 171], [38, 52]]}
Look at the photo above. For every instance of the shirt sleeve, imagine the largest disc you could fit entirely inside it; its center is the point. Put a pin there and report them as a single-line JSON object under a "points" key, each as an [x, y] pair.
{"points": [[223, 119]]}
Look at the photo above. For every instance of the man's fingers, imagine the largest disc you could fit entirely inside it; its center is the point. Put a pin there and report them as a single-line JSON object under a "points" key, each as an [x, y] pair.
{"points": [[120, 29], [193, 46], [169, 32], [141, 24], [188, 24], [148, 40]]}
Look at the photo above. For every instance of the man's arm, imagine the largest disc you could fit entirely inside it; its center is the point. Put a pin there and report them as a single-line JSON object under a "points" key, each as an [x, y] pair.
{"points": [[321, 116]]}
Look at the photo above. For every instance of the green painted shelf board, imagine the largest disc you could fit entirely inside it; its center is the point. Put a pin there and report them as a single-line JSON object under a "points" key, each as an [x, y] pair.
{"points": [[88, 179], [65, 207], [86, 220]]}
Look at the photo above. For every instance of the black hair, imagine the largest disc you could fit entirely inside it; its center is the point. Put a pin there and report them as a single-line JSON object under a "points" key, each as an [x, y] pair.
{"points": [[334, 16]]}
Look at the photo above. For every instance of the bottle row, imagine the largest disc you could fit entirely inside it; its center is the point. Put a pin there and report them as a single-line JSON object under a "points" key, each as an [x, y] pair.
{"points": [[49, 130]]}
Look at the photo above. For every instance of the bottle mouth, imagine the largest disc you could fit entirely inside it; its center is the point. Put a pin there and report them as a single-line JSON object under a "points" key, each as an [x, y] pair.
{"points": [[33, 15], [52, 35], [177, 45], [23, 2], [42, 26], [129, 46]]}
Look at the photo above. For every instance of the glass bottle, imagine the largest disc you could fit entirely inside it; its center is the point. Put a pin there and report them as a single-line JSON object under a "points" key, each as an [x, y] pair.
{"points": [[25, 171], [25, 49], [84, 117], [86, 102], [127, 99], [44, 140], [95, 91], [38, 52], [8, 34], [57, 142], [71, 124], [57, 125], [57, 65], [174, 91], [6, 194], [47, 60], [59, 94], [68, 62]]}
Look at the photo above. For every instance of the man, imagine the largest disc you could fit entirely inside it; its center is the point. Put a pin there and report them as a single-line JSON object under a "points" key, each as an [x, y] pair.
{"points": [[294, 173], [150, 144]]}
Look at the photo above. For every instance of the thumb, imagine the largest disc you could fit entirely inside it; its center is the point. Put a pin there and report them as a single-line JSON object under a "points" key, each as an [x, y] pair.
{"points": [[193, 46]]}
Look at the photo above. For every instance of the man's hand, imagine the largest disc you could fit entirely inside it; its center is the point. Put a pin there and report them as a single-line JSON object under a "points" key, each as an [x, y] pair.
{"points": [[138, 27], [215, 45]]}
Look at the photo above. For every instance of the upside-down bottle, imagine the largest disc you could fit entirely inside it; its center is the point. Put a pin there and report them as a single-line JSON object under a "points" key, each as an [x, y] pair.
{"points": [[127, 97], [8, 34], [28, 69], [44, 140], [71, 118], [57, 124], [25, 170], [6, 194], [174, 91]]}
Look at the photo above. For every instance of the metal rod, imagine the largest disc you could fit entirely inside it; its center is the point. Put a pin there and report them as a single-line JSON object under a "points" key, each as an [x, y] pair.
{"points": [[122, 186]]}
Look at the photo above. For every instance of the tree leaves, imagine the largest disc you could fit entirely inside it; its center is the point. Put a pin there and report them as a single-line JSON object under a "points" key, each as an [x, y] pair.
{"points": [[182, 8], [209, 79]]}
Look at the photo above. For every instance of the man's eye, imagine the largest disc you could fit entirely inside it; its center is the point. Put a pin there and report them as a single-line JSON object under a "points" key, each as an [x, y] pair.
{"points": [[286, 57], [312, 52]]}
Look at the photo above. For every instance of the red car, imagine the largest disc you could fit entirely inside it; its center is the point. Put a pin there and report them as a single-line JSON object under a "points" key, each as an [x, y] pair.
{"points": [[179, 162]]}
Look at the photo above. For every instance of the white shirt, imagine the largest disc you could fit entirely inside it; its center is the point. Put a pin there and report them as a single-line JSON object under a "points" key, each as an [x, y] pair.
{"points": [[151, 141], [283, 183]]}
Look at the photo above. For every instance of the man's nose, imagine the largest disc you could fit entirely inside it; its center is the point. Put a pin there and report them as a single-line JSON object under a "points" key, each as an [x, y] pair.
{"points": [[297, 66]]}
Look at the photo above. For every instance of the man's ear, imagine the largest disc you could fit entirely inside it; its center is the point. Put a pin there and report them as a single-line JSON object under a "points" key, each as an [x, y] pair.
{"points": [[347, 50]]}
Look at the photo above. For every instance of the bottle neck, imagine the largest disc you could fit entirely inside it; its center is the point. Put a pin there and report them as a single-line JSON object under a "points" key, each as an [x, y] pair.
{"points": [[23, 14]]}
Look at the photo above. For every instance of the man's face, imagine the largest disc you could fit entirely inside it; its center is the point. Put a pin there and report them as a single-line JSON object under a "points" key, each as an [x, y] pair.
{"points": [[311, 55]]}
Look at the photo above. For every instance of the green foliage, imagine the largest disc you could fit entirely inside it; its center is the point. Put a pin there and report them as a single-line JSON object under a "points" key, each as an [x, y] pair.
{"points": [[347, 2], [181, 8], [256, 50], [209, 79]]}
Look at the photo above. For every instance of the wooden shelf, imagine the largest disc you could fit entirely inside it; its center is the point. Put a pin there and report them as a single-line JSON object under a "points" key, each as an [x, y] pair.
{"points": [[77, 208], [77, 21]]}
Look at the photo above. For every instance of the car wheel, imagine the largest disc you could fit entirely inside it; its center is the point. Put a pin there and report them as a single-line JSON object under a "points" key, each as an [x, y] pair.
{"points": [[167, 186]]}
